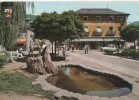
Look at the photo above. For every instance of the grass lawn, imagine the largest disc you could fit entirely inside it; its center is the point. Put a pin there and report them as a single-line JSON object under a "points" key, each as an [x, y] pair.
{"points": [[17, 82]]}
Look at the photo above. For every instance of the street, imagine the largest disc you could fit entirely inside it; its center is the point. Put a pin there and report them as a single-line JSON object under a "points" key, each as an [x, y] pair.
{"points": [[98, 60]]}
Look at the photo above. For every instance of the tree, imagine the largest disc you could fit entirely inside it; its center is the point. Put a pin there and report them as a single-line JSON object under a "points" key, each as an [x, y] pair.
{"points": [[57, 27], [130, 33], [75, 27], [10, 29]]}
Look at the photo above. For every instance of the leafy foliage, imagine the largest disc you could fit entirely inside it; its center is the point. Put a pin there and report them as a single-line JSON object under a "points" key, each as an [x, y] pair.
{"points": [[54, 26], [30, 16], [10, 29], [130, 33], [130, 53]]}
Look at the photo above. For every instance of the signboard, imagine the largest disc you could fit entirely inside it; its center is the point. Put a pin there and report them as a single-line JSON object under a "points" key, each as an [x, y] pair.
{"points": [[7, 10], [8, 13]]}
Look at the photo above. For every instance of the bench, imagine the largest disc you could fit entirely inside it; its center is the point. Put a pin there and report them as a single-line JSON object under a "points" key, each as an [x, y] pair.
{"points": [[10, 56]]}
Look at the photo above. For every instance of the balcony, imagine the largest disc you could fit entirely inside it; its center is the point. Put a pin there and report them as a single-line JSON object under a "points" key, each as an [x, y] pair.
{"points": [[110, 33]]}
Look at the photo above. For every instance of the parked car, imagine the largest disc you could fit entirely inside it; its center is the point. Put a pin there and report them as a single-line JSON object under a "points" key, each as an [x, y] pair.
{"points": [[110, 47]]}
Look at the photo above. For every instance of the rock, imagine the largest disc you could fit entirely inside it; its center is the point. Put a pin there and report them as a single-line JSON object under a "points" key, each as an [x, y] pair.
{"points": [[41, 64], [48, 64], [35, 65]]}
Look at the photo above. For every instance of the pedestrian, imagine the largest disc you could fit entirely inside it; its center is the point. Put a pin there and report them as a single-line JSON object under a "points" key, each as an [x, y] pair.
{"points": [[85, 48], [72, 47]]}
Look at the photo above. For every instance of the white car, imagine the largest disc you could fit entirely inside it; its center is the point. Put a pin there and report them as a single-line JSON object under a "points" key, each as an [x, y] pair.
{"points": [[111, 47]]}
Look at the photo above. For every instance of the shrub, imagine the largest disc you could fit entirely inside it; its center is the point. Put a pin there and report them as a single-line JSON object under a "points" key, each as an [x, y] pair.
{"points": [[133, 53], [126, 52], [2, 60], [130, 53]]}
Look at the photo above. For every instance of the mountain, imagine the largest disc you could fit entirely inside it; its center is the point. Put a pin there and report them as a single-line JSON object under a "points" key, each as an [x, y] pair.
{"points": [[31, 17], [135, 23]]}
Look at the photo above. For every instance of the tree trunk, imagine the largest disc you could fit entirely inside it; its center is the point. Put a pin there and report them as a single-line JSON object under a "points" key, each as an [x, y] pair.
{"points": [[52, 49], [134, 46], [55, 48]]}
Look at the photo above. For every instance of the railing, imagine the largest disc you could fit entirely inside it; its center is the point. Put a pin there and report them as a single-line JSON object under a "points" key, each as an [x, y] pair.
{"points": [[97, 33], [110, 33]]}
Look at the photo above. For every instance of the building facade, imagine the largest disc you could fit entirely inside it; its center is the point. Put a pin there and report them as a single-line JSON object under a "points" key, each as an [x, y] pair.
{"points": [[101, 27]]}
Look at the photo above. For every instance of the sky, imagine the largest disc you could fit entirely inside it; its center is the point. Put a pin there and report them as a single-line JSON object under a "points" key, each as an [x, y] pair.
{"points": [[60, 6]]}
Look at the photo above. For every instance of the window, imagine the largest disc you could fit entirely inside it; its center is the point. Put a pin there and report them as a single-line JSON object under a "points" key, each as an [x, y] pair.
{"points": [[98, 26], [111, 28], [111, 18], [111, 31], [120, 18], [85, 18], [98, 18]]}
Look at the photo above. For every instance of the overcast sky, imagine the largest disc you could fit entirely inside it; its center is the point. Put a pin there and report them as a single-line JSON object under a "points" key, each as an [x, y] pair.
{"points": [[131, 7]]}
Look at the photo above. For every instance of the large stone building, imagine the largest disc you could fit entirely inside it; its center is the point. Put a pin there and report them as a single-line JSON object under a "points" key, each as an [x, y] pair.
{"points": [[101, 26]]}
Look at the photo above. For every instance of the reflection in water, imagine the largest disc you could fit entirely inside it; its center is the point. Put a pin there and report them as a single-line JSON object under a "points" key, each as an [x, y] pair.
{"points": [[80, 81]]}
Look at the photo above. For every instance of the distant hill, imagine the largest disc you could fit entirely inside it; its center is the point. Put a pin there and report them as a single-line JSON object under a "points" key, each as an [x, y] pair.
{"points": [[29, 16], [135, 23]]}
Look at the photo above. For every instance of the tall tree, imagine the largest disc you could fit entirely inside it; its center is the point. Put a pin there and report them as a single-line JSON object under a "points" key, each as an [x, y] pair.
{"points": [[58, 27], [75, 27], [10, 29], [130, 33]]}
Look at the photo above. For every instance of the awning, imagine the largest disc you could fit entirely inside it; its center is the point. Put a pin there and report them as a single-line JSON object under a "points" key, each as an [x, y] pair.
{"points": [[86, 30], [98, 30], [21, 40]]}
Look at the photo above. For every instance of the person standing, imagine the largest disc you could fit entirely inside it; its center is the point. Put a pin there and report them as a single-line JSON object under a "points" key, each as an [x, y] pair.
{"points": [[85, 48]]}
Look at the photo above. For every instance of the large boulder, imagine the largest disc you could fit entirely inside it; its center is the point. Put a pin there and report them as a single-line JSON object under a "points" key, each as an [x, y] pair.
{"points": [[41, 64], [35, 65], [48, 64]]}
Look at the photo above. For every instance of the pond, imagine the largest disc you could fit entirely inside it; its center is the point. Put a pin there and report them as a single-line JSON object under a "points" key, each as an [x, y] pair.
{"points": [[80, 80]]}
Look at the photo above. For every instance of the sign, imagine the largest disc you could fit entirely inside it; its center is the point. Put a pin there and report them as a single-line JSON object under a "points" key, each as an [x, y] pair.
{"points": [[7, 10], [8, 13]]}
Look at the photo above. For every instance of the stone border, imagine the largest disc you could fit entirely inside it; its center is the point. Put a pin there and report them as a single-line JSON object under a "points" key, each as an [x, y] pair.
{"points": [[67, 95]]}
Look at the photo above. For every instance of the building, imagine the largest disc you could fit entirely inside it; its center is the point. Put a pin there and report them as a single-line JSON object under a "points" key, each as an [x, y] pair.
{"points": [[25, 38], [101, 26]]}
